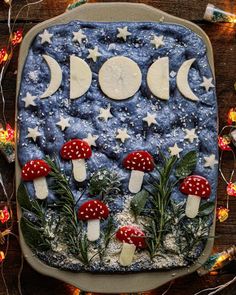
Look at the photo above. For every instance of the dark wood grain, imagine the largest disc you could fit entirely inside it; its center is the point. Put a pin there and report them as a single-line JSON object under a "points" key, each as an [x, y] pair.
{"points": [[223, 38]]}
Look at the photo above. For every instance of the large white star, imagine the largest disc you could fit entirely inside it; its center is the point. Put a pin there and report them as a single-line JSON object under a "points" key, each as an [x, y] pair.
{"points": [[123, 33], [29, 100], [78, 36], [207, 83], [63, 123], [46, 37], [105, 114], [175, 150], [122, 134], [33, 133], [157, 41], [94, 54], [190, 134], [210, 161], [150, 119], [91, 139]]}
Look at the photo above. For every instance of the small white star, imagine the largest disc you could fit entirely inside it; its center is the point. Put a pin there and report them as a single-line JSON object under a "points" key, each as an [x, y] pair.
{"points": [[122, 134], [190, 134], [105, 114], [46, 37], [29, 100], [63, 123], [210, 161], [78, 36], [91, 139], [175, 150], [33, 133], [150, 119], [94, 54], [33, 76], [207, 83], [157, 41], [123, 33]]}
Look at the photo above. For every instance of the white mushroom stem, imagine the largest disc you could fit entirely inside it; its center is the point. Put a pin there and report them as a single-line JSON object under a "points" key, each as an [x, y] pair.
{"points": [[127, 254], [136, 181], [192, 206], [79, 170], [41, 187], [93, 230]]}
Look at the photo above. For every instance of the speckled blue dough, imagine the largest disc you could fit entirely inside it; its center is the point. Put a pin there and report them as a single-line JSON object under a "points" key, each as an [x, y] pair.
{"points": [[173, 116]]}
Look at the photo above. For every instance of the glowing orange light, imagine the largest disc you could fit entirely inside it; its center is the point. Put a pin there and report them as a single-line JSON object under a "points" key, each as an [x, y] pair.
{"points": [[223, 143], [2, 256], [17, 37], [4, 215], [231, 117], [7, 135], [231, 189], [3, 55], [222, 214]]}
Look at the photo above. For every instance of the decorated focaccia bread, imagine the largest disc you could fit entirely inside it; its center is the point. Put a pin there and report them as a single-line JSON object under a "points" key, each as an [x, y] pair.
{"points": [[117, 144]]}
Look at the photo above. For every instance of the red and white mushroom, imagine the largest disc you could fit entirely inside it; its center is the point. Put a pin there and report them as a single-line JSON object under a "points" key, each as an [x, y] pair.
{"points": [[92, 212], [196, 188], [77, 150], [36, 171], [139, 162], [132, 237]]}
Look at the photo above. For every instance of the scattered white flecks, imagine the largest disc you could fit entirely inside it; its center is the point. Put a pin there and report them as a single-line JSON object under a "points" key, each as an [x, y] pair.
{"points": [[172, 74]]}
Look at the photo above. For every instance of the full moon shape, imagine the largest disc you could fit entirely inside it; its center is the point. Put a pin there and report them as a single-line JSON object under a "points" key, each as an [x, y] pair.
{"points": [[182, 80], [158, 78], [80, 77], [120, 77], [56, 76]]}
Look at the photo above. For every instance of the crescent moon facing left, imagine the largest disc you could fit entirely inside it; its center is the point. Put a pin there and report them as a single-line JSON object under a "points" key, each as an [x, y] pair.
{"points": [[56, 76], [182, 80]]}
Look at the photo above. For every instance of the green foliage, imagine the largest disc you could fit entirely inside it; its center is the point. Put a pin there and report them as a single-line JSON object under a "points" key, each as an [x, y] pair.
{"points": [[104, 183], [186, 165], [108, 232], [138, 203], [206, 209]]}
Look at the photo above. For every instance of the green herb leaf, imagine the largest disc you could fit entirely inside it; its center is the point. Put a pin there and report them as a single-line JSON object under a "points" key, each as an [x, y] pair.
{"points": [[33, 235], [186, 165], [138, 203], [206, 208], [23, 197]]}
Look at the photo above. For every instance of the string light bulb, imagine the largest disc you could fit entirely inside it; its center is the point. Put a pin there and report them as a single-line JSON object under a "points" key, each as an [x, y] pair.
{"points": [[4, 215]]}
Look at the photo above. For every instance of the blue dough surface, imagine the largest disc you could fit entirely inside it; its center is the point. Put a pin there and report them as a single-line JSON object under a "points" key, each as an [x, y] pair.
{"points": [[172, 116]]}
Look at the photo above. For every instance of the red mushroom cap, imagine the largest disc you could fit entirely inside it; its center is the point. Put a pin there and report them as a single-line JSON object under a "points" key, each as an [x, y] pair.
{"points": [[132, 235], [94, 209], [76, 149], [196, 185], [34, 169], [139, 160]]}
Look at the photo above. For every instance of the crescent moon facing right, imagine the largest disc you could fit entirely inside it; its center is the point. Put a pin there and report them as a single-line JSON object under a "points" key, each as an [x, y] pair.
{"points": [[182, 80], [56, 76]]}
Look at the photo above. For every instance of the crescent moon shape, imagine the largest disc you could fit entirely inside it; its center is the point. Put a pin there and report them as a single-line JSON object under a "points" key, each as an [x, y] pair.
{"points": [[56, 76], [182, 80], [80, 77], [158, 78]]}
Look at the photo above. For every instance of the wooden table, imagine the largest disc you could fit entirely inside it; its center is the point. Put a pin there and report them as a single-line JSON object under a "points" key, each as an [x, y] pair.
{"points": [[223, 38]]}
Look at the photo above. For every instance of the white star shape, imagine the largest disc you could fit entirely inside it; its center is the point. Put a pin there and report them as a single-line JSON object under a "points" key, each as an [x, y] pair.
{"points": [[33, 133], [105, 114], [91, 139], [157, 41], [150, 119], [94, 54], [175, 150], [46, 37], [79, 36], [63, 123], [33, 75], [29, 100], [122, 135], [210, 161], [207, 83], [123, 33], [190, 134]]}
